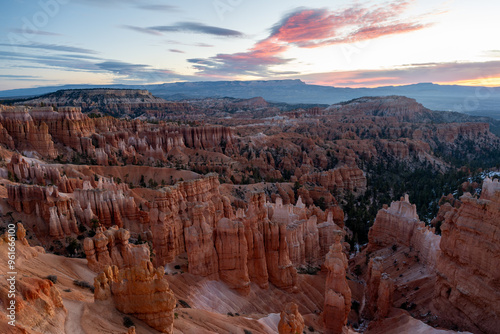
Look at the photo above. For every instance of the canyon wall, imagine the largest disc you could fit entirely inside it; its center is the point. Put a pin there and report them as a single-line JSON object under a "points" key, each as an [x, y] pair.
{"points": [[467, 291], [399, 225]]}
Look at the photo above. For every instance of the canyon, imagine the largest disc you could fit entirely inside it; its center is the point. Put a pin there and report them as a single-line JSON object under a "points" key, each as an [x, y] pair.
{"points": [[234, 216]]}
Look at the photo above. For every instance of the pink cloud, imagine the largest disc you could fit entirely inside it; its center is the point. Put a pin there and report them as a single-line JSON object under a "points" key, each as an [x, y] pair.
{"points": [[311, 28]]}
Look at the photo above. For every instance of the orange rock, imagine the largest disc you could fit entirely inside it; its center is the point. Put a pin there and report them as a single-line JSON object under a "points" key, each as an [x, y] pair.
{"points": [[399, 225], [111, 247], [378, 293], [232, 252], [337, 291], [466, 292], [291, 321]]}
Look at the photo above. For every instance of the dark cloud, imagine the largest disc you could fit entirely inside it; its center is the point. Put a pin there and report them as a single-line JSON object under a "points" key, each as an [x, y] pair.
{"points": [[176, 51], [190, 27]]}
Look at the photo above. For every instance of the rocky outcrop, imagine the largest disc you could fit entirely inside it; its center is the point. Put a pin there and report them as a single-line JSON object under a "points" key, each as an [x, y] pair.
{"points": [[56, 210], [279, 267], [111, 247], [254, 219], [232, 253], [399, 225], [21, 234], [183, 219], [291, 321], [141, 291], [337, 291], [20, 131], [466, 292], [108, 202], [39, 305], [378, 293], [342, 178]]}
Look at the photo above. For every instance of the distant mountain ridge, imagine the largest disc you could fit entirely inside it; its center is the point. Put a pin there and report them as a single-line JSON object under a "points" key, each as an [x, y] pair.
{"points": [[478, 101]]}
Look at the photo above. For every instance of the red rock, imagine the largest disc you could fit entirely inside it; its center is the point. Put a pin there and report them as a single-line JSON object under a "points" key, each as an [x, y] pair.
{"points": [[141, 291], [232, 252], [111, 247], [378, 293], [291, 321], [467, 293], [337, 291], [399, 225]]}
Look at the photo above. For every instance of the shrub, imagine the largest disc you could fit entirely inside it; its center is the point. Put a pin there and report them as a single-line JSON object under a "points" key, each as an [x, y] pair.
{"points": [[246, 331], [184, 304], [128, 322], [52, 278], [84, 284]]}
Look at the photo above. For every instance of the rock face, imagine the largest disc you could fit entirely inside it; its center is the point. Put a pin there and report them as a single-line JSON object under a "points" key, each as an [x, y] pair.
{"points": [[141, 291], [102, 140], [337, 291], [378, 293], [399, 225], [467, 292], [291, 321], [232, 252], [111, 247], [342, 178]]}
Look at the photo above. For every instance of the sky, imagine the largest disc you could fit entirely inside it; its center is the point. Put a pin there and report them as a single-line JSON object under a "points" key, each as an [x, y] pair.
{"points": [[336, 43]]}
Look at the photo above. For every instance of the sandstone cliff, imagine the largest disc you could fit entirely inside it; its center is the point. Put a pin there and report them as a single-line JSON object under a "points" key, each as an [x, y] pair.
{"points": [[466, 292], [141, 291], [399, 225], [337, 291], [111, 247]]}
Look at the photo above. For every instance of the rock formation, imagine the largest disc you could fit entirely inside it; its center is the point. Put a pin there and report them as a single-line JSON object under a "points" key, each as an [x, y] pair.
{"points": [[111, 247], [337, 291], [378, 292], [141, 291], [232, 253], [21, 234], [342, 178], [291, 321], [466, 292], [399, 225]]}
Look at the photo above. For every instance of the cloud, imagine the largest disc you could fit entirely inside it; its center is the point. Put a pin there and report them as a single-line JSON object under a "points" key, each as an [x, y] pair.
{"points": [[14, 76], [35, 32], [166, 8], [122, 71], [408, 74], [139, 72], [52, 47], [176, 51], [312, 28], [189, 27], [142, 30], [202, 45], [492, 53]]}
